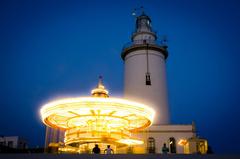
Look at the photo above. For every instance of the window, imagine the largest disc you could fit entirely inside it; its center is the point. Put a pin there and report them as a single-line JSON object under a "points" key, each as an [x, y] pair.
{"points": [[10, 144], [24, 146], [148, 79], [151, 145], [172, 145]]}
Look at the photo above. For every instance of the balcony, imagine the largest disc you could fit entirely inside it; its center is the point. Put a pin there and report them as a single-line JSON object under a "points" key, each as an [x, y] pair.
{"points": [[159, 43]]}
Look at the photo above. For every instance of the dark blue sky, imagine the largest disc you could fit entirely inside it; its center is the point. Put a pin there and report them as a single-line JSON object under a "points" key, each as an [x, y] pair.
{"points": [[57, 48]]}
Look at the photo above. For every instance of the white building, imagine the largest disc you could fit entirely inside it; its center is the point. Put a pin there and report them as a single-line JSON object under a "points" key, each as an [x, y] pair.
{"points": [[145, 82], [145, 71], [13, 142]]}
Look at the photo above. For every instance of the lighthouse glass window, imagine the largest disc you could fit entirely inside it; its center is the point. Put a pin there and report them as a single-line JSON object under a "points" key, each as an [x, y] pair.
{"points": [[148, 22], [149, 25], [144, 22]]}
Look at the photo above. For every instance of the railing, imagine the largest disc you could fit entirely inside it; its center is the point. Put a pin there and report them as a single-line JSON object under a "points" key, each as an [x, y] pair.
{"points": [[161, 43], [151, 30]]}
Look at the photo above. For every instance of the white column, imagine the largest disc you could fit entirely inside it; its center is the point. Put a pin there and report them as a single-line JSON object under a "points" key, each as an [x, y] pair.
{"points": [[135, 88]]}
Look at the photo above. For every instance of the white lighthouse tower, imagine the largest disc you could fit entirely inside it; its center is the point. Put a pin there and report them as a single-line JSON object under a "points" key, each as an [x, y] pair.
{"points": [[145, 70]]}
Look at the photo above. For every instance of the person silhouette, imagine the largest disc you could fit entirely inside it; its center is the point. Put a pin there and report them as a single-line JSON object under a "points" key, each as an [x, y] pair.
{"points": [[108, 150], [96, 149], [165, 150]]}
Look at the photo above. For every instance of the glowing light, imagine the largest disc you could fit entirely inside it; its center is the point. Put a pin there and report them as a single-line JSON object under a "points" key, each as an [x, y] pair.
{"points": [[130, 141], [97, 119], [182, 142], [75, 112]]}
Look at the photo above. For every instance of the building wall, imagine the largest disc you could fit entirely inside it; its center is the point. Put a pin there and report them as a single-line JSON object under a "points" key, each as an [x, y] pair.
{"points": [[135, 88], [162, 134], [13, 142]]}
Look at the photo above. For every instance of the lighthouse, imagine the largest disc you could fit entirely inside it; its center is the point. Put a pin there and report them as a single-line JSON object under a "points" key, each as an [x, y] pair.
{"points": [[138, 124], [145, 69]]}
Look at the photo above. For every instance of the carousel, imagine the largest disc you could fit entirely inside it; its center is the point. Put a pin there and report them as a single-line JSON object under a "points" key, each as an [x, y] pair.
{"points": [[98, 119]]}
